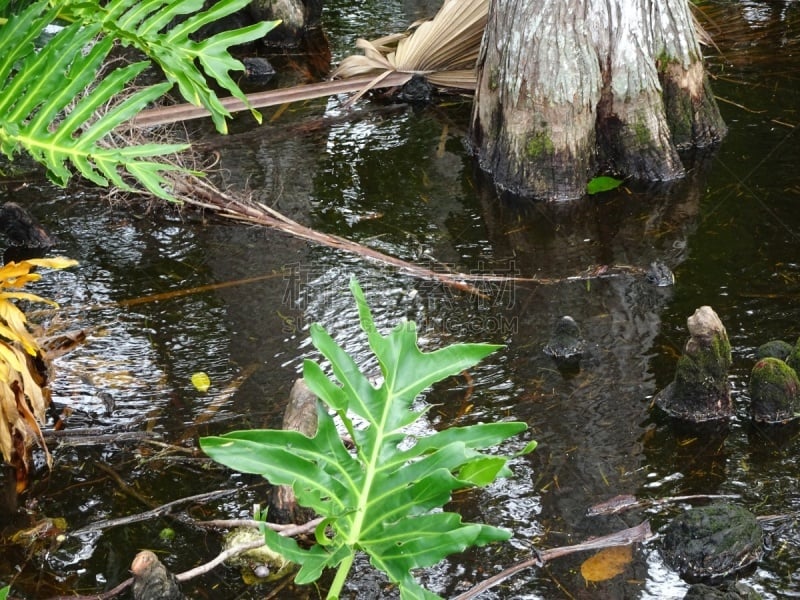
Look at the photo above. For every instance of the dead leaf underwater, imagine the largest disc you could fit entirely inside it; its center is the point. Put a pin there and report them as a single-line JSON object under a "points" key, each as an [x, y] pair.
{"points": [[606, 564]]}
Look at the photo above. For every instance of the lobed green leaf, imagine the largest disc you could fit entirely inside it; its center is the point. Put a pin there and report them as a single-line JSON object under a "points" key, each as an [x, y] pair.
{"points": [[384, 497]]}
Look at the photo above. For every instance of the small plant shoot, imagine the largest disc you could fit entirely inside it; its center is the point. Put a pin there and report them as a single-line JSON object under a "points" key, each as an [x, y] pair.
{"points": [[384, 497]]}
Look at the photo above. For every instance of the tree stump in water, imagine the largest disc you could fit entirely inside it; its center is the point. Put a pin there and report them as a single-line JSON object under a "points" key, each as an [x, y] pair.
{"points": [[700, 391], [152, 580], [300, 415]]}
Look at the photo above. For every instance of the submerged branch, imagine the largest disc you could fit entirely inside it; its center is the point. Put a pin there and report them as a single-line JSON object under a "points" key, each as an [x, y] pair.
{"points": [[640, 533], [160, 511]]}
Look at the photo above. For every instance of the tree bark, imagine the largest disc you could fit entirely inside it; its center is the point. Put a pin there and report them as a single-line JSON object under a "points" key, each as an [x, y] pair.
{"points": [[570, 88]]}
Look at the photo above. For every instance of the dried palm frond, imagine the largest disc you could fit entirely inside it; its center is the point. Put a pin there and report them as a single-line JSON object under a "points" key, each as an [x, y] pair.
{"points": [[23, 393], [444, 49]]}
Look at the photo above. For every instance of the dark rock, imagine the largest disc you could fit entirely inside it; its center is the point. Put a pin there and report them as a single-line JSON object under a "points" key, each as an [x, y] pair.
{"points": [[21, 228], [659, 275], [417, 90], [774, 391], [700, 390], [566, 341], [152, 581], [732, 590], [257, 69], [774, 349], [711, 542]]}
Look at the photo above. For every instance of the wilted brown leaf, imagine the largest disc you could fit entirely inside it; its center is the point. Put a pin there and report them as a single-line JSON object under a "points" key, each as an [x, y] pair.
{"points": [[23, 397], [607, 563]]}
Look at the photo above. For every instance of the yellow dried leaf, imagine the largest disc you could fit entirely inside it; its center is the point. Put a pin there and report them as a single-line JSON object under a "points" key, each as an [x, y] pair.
{"points": [[201, 381], [27, 296], [56, 262], [607, 563], [10, 357]]}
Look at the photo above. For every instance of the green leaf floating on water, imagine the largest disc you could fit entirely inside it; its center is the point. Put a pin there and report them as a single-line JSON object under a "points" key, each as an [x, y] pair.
{"points": [[602, 184], [383, 497]]}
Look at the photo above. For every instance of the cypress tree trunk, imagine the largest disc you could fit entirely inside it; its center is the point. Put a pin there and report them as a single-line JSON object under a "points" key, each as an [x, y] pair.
{"points": [[567, 88]]}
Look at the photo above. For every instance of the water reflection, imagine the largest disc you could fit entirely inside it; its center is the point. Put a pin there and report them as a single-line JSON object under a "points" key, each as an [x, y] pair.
{"points": [[401, 182]]}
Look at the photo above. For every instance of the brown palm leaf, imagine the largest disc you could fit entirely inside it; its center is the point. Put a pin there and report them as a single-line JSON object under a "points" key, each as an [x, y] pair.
{"points": [[444, 49], [24, 396]]}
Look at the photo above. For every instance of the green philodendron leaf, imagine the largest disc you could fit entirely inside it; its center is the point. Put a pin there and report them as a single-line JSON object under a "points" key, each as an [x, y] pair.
{"points": [[385, 496], [55, 106], [602, 184], [161, 29], [4, 592]]}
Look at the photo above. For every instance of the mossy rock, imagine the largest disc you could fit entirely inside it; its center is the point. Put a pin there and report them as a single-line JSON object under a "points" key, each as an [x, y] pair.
{"points": [[712, 542], [774, 349], [774, 391], [793, 360]]}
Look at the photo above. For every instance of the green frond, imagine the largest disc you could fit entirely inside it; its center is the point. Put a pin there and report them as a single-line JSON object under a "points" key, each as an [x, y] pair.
{"points": [[38, 112], [142, 25]]}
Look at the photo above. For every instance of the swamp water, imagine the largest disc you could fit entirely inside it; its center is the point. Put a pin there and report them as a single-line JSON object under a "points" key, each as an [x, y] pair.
{"points": [[399, 180]]}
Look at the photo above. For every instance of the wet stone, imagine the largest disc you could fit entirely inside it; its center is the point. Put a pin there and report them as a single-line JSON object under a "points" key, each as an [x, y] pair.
{"points": [[566, 343], [712, 542], [700, 390], [774, 391]]}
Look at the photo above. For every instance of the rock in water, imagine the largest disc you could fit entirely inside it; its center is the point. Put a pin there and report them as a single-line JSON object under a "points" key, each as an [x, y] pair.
{"points": [[774, 349], [700, 391], [152, 581], [21, 228], [774, 391], [711, 542]]}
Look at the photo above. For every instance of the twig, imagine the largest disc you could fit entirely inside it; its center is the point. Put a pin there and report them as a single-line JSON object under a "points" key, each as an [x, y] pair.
{"points": [[151, 514], [640, 533], [289, 530], [624, 502], [88, 436], [285, 530], [218, 560]]}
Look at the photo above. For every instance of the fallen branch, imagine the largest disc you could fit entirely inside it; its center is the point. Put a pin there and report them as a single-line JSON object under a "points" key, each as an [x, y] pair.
{"points": [[151, 514], [184, 112], [640, 533], [624, 502], [203, 194], [288, 530]]}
